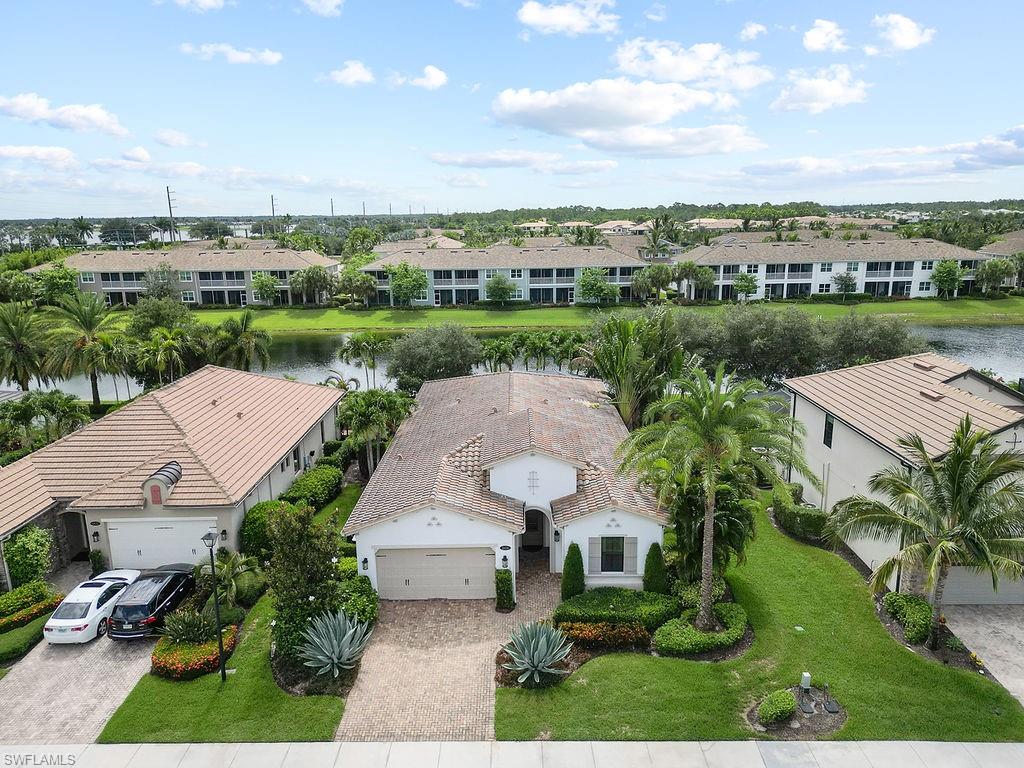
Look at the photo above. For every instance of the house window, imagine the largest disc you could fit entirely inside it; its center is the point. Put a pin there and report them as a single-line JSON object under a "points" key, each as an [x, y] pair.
{"points": [[751, 269], [829, 426], [489, 273], [518, 295], [282, 464], [88, 277], [826, 266], [184, 277], [853, 266], [515, 274], [613, 553], [154, 494], [533, 481], [924, 286], [189, 297], [825, 288], [927, 265], [421, 296], [295, 458]]}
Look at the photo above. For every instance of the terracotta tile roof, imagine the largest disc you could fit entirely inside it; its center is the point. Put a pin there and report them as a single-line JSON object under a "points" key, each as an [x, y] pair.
{"points": [[891, 399], [440, 454], [226, 429], [505, 256], [186, 258], [825, 249]]}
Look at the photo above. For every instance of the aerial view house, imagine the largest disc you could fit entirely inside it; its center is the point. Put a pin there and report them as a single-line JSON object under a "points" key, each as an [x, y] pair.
{"points": [[146, 482], [541, 275], [616, 227], [497, 471], [855, 416], [203, 276], [1006, 245], [794, 269]]}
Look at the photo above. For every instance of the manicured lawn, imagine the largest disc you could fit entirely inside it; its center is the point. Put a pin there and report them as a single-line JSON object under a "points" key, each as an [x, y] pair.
{"points": [[17, 642], [296, 320], [889, 691], [248, 707], [342, 504]]}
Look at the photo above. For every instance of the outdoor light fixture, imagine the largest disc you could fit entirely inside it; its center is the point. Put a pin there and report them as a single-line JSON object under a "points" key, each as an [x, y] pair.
{"points": [[223, 534], [366, 563], [210, 539], [504, 561], [558, 535], [95, 537]]}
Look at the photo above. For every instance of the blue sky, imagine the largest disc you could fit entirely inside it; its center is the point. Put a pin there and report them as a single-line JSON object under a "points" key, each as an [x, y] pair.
{"points": [[478, 104]]}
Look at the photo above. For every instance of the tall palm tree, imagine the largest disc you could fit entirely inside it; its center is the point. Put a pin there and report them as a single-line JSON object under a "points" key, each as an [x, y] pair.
{"points": [[76, 345], [83, 228], [23, 345], [683, 271], [364, 349], [498, 352], [372, 417], [338, 380], [656, 245], [708, 428], [115, 355], [240, 344], [538, 348], [963, 509], [165, 351], [586, 236]]}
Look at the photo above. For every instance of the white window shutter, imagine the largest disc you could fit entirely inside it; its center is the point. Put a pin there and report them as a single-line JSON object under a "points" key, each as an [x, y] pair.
{"points": [[594, 557], [629, 559]]}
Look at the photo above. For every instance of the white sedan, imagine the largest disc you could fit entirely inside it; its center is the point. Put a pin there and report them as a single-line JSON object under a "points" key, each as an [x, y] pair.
{"points": [[84, 613]]}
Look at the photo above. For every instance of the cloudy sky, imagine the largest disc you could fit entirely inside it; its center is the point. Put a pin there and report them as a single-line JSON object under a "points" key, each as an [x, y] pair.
{"points": [[478, 104]]}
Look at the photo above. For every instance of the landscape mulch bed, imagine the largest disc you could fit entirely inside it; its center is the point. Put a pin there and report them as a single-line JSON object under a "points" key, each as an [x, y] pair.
{"points": [[299, 680], [578, 656], [801, 726], [721, 654]]}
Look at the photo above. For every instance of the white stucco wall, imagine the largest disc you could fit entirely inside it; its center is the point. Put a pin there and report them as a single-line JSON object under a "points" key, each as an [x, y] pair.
{"points": [[612, 523], [976, 385], [554, 479], [433, 527]]}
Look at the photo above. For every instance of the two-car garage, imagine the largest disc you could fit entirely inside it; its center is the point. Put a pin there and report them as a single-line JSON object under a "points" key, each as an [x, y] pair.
{"points": [[149, 543], [456, 573]]}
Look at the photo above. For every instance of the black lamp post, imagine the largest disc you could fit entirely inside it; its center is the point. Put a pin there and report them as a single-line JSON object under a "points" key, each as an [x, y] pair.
{"points": [[210, 540]]}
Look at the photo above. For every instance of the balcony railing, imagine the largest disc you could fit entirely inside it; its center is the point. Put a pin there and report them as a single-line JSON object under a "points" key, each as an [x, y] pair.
{"points": [[122, 283], [466, 281], [541, 280], [903, 273], [798, 275], [877, 273], [618, 278], [221, 283], [728, 277], [443, 281]]}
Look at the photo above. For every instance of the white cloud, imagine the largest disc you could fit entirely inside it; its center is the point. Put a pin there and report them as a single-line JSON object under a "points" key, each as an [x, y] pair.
{"points": [[899, 33], [580, 167], [468, 3], [706, 64], [352, 72], [58, 158], [326, 8], [136, 155], [200, 6], [817, 92], [572, 17], [169, 137], [232, 55], [824, 35], [752, 30], [657, 12], [542, 162], [465, 181], [657, 141], [33, 108], [431, 79]]}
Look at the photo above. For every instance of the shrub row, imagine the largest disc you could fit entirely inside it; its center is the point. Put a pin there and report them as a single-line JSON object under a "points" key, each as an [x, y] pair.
{"points": [[26, 615], [315, 486], [806, 523], [689, 592], [348, 567], [20, 641], [359, 600], [347, 548], [618, 605], [604, 635], [680, 637], [505, 599], [777, 707], [253, 535], [912, 612], [25, 596], [343, 453], [187, 661]]}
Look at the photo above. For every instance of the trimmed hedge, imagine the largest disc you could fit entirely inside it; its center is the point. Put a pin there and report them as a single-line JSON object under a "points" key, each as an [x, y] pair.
{"points": [[28, 554], [347, 548], [912, 612], [250, 588], [689, 593], [20, 641], [618, 605], [604, 635], [505, 599], [654, 571], [187, 661], [348, 567], [25, 596], [573, 582], [777, 707], [359, 600], [253, 535], [680, 638], [315, 486], [332, 446], [27, 615], [804, 523]]}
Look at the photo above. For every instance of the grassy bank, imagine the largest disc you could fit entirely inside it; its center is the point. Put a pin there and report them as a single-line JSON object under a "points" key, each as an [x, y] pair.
{"points": [[1008, 311]]}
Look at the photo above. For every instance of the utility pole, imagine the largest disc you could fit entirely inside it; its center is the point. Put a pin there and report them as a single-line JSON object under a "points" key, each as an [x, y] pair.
{"points": [[334, 224], [170, 212], [364, 211], [273, 216], [389, 209]]}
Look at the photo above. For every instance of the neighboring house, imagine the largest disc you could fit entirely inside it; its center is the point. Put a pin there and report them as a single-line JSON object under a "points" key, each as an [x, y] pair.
{"points": [[1008, 244], [533, 227], [206, 277], [428, 241], [642, 229], [855, 416], [565, 226], [615, 227], [794, 269], [6, 395], [143, 484], [721, 224], [541, 275], [495, 469]]}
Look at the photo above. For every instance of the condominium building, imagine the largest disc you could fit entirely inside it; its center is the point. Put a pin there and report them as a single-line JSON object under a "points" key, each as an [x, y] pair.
{"points": [[541, 275], [205, 277]]}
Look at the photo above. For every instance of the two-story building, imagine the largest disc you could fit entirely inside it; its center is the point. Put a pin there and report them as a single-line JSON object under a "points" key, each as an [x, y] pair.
{"points": [[798, 269], [541, 275], [200, 276]]}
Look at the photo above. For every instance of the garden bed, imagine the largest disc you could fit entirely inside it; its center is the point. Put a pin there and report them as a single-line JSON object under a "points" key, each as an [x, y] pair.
{"points": [[578, 656], [297, 679], [801, 726], [946, 653]]}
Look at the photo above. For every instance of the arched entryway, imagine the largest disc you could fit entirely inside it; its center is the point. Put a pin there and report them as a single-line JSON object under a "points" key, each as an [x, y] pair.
{"points": [[535, 535], [538, 540]]}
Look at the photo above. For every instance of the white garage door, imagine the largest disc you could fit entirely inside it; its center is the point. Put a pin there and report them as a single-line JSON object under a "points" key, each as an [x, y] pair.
{"points": [[966, 588], [149, 543], [419, 574]]}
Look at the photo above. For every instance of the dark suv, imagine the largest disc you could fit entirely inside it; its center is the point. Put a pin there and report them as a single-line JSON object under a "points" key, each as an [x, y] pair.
{"points": [[142, 607]]}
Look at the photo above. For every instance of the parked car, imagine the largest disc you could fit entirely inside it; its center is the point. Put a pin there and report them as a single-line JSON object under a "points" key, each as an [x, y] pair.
{"points": [[85, 613], [140, 611]]}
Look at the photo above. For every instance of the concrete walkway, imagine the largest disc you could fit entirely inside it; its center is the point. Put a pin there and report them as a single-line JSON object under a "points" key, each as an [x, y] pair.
{"points": [[532, 754], [996, 634]]}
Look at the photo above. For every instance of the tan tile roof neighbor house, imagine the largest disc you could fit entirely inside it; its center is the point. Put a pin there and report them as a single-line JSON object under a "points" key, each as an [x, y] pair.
{"points": [[461, 426], [431, 241], [891, 399], [505, 256], [825, 250], [615, 224], [1007, 245], [225, 428], [194, 259]]}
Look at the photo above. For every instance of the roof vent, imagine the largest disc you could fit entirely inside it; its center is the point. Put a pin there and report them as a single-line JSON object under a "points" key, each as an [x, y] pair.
{"points": [[214, 401], [931, 394], [400, 457], [169, 473], [494, 409], [924, 366], [239, 414]]}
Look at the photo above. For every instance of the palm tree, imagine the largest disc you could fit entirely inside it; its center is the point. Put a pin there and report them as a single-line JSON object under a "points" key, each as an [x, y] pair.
{"points": [[165, 350], [115, 354], [363, 349], [76, 346], [23, 345], [537, 347], [586, 236], [498, 352], [239, 343], [708, 428], [683, 271], [338, 380], [656, 245], [62, 413], [229, 571], [83, 228], [371, 417], [963, 509]]}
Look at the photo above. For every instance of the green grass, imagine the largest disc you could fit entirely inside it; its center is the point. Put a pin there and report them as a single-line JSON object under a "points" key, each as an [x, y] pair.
{"points": [[248, 707], [17, 642], [342, 504], [889, 691], [298, 320], [3, 672]]}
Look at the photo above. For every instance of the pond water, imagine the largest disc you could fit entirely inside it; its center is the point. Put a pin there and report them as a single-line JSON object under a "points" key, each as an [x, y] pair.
{"points": [[313, 357]]}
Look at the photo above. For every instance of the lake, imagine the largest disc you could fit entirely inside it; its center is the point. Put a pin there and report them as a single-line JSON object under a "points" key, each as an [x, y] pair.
{"points": [[313, 357]]}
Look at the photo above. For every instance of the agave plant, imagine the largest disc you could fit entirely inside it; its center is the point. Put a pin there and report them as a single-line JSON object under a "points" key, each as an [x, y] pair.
{"points": [[334, 642], [189, 627], [535, 650]]}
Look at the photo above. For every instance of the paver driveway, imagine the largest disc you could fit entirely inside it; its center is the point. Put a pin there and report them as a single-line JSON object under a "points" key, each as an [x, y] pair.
{"points": [[428, 673], [996, 634], [64, 694]]}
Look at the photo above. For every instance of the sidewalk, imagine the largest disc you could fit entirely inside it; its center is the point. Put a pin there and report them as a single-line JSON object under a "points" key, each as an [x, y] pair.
{"points": [[534, 754]]}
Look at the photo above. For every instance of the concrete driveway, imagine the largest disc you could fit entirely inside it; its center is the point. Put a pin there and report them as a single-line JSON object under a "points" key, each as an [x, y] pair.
{"points": [[64, 694], [996, 634]]}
